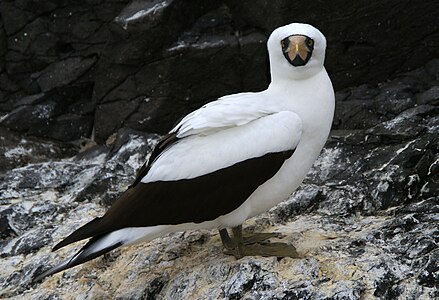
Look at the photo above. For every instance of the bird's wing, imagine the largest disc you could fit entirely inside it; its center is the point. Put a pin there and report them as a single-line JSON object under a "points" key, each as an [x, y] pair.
{"points": [[197, 155], [228, 111]]}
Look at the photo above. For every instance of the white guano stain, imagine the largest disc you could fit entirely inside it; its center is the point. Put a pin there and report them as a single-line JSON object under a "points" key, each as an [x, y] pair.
{"points": [[156, 8], [17, 152]]}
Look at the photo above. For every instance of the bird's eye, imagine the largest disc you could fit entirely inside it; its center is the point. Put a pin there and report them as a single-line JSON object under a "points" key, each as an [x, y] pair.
{"points": [[310, 42]]}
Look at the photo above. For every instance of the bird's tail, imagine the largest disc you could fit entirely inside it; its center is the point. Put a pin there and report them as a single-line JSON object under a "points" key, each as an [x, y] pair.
{"points": [[95, 247]]}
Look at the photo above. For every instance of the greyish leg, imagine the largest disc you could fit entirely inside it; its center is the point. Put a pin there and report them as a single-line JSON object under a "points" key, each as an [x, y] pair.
{"points": [[228, 243]]}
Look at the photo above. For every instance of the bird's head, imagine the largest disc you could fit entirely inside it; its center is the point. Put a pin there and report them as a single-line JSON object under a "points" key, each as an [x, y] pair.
{"points": [[297, 51]]}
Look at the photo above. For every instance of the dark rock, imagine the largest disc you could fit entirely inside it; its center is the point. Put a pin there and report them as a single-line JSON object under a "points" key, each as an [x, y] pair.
{"points": [[17, 151], [32, 118], [395, 98], [361, 38], [139, 32], [62, 73], [6, 231], [2, 47], [154, 289], [432, 68], [31, 242], [429, 275], [126, 152], [306, 199], [62, 114], [430, 96], [70, 127], [180, 55], [52, 45], [159, 88], [408, 124], [111, 116], [367, 105], [31, 100]]}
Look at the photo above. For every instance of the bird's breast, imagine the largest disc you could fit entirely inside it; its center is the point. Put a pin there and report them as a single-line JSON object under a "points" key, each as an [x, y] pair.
{"points": [[314, 103]]}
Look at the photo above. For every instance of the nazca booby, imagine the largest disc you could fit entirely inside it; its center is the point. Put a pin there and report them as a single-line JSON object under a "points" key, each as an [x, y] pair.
{"points": [[228, 161]]}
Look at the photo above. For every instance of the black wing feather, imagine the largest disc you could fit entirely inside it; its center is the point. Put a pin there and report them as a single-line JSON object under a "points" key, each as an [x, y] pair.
{"points": [[164, 143]]}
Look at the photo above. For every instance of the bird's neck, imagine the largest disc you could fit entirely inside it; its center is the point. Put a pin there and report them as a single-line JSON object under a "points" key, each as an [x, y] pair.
{"points": [[286, 83], [313, 91], [312, 99]]}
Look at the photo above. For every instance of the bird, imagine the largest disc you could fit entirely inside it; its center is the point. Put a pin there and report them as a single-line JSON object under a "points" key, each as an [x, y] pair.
{"points": [[230, 160]]}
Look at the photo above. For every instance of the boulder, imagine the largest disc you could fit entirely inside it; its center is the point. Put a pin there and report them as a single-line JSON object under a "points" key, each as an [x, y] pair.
{"points": [[51, 47]]}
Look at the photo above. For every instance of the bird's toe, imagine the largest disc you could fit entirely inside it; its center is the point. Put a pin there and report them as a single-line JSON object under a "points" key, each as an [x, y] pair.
{"points": [[260, 237]]}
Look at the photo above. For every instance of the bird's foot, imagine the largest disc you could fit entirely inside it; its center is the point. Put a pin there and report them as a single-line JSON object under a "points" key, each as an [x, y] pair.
{"points": [[255, 245], [264, 249], [259, 237]]}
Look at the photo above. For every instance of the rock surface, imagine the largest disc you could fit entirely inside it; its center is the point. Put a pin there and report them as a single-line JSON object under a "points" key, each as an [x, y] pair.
{"points": [[70, 70], [365, 220]]}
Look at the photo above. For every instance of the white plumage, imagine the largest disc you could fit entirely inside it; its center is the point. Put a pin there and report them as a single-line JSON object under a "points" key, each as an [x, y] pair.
{"points": [[294, 113]]}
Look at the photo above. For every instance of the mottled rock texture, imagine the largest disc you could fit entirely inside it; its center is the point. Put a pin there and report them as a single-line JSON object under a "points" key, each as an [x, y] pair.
{"points": [[72, 69], [365, 221]]}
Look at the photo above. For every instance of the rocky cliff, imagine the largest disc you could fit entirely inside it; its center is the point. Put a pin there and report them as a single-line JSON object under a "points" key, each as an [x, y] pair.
{"points": [[86, 87], [73, 69]]}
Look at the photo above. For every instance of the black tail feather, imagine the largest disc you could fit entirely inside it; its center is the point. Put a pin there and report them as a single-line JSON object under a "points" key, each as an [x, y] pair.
{"points": [[92, 228], [85, 254]]}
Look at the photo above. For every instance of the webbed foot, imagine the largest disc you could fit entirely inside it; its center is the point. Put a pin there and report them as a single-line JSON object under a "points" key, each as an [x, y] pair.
{"points": [[255, 245]]}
